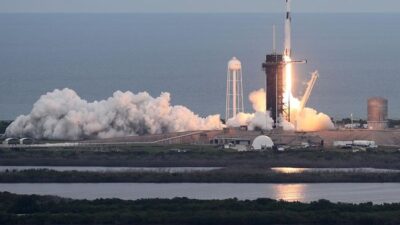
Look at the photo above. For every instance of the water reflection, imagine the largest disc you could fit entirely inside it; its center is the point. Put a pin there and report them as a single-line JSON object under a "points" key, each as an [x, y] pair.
{"points": [[290, 192], [336, 192], [288, 170]]}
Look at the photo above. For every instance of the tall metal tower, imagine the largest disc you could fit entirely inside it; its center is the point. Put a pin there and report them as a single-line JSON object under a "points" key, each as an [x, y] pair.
{"points": [[234, 89], [273, 67]]}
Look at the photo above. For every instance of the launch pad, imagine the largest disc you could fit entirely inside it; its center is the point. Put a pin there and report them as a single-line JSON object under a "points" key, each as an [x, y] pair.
{"points": [[278, 73]]}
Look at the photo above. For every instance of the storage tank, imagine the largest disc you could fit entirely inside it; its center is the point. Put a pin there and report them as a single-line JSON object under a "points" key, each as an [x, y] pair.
{"points": [[377, 113]]}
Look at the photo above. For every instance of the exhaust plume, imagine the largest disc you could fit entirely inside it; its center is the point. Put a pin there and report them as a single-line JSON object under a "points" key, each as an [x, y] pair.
{"points": [[62, 114], [307, 120], [257, 99], [258, 120], [311, 120]]}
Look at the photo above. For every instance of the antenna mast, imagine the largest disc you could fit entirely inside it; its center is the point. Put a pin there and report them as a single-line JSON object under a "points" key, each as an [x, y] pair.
{"points": [[273, 39]]}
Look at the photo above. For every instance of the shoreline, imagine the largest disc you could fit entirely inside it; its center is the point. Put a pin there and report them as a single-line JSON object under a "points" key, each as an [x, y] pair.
{"points": [[227, 175]]}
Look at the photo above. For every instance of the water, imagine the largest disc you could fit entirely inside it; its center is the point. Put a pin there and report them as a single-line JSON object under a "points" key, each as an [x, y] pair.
{"points": [[110, 169], [189, 169], [186, 54], [348, 192], [341, 170]]}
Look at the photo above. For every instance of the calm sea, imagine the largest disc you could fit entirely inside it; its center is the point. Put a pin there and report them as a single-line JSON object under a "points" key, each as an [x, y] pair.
{"points": [[186, 55]]}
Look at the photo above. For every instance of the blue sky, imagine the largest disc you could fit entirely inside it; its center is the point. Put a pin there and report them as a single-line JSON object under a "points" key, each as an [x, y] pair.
{"points": [[203, 6]]}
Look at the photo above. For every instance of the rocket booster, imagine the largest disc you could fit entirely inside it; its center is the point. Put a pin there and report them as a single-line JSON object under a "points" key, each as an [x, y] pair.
{"points": [[288, 31]]}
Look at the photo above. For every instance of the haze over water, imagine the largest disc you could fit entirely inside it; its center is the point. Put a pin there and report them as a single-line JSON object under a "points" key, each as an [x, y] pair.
{"points": [[186, 55]]}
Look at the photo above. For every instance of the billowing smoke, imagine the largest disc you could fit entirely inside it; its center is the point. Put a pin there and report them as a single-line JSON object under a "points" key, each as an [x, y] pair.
{"points": [[306, 120], [257, 99], [311, 120], [258, 120], [62, 114]]}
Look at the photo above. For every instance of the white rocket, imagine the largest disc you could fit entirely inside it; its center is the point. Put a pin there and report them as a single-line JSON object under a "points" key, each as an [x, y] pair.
{"points": [[288, 31]]}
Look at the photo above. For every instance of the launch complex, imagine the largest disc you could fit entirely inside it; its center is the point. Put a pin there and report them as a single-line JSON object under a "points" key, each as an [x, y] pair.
{"points": [[280, 106]]}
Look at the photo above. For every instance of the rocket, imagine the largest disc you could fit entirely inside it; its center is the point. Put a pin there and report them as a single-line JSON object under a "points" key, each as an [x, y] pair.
{"points": [[288, 31]]}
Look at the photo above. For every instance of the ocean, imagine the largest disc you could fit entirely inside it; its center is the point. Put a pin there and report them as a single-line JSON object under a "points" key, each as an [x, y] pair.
{"points": [[187, 54]]}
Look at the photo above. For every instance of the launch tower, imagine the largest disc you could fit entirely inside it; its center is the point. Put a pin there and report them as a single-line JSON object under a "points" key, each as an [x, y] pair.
{"points": [[273, 67]]}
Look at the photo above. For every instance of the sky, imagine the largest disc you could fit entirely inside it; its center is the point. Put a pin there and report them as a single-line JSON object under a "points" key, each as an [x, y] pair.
{"points": [[194, 6]]}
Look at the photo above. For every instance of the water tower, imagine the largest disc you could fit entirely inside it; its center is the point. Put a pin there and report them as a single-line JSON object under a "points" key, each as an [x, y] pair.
{"points": [[234, 89]]}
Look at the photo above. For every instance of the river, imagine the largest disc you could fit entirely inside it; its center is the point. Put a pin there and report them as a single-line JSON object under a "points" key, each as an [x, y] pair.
{"points": [[335, 192]]}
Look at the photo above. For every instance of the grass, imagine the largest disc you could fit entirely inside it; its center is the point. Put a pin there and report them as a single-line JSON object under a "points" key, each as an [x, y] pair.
{"points": [[203, 156]]}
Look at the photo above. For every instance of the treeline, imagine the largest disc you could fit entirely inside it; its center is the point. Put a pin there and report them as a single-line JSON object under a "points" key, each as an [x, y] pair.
{"points": [[3, 125], [228, 175], [162, 156], [33, 209], [393, 123]]}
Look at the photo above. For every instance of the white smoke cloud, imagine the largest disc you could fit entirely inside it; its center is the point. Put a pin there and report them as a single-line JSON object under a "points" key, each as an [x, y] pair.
{"points": [[286, 125], [257, 99], [260, 119], [257, 120], [62, 114], [311, 120], [307, 120]]}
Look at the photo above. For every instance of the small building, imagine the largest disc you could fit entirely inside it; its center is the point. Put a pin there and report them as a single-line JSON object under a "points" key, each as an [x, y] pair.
{"points": [[352, 126], [244, 128], [343, 144], [237, 143], [355, 143], [365, 143]]}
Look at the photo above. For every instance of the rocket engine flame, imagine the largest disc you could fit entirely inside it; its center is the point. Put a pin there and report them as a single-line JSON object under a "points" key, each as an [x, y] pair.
{"points": [[288, 81], [307, 119]]}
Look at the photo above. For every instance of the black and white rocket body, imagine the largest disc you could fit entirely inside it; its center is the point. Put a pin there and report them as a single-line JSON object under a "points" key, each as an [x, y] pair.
{"points": [[288, 30]]}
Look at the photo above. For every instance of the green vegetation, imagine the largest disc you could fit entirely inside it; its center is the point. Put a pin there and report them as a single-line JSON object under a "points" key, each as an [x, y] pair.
{"points": [[169, 156], [226, 175], [349, 121], [240, 167], [3, 125], [393, 123], [33, 209]]}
